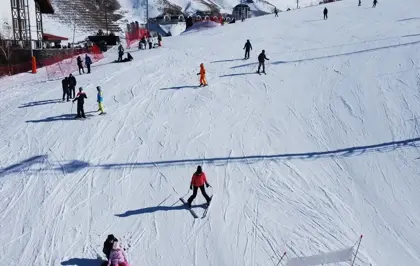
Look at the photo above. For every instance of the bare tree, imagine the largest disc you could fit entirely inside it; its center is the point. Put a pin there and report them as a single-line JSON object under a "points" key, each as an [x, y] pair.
{"points": [[6, 42]]}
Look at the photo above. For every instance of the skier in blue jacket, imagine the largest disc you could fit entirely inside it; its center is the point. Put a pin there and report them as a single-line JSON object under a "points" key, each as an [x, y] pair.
{"points": [[100, 100]]}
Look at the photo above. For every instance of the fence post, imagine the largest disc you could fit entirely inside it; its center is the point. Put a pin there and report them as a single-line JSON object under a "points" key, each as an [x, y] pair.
{"points": [[33, 65], [357, 250]]}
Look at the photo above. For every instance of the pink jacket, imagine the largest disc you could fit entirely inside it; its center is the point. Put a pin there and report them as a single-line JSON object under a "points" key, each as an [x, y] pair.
{"points": [[116, 257]]}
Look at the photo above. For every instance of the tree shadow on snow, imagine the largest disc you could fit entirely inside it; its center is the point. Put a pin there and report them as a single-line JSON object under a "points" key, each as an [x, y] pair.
{"points": [[179, 88], [156, 209], [38, 103], [84, 262]]}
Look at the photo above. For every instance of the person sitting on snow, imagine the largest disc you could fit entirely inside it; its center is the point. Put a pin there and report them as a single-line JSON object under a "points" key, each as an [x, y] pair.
{"points": [[117, 256], [108, 244]]}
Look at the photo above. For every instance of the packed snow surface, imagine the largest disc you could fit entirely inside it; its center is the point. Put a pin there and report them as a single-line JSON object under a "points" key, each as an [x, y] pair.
{"points": [[304, 159]]}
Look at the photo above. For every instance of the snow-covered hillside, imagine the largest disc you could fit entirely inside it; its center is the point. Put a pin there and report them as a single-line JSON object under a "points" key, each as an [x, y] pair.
{"points": [[304, 159]]}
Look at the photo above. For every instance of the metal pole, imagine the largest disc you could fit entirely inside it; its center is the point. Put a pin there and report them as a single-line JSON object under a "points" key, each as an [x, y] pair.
{"points": [[29, 27], [147, 14], [297, 4], [106, 16], [357, 250]]}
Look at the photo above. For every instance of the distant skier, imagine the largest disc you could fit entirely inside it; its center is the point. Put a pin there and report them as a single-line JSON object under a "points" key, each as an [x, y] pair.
{"points": [[276, 12], [198, 180], [150, 41], [100, 100], [117, 256], [80, 98], [80, 65], [261, 61], [65, 85], [72, 85], [325, 13], [374, 3], [109, 242], [247, 48], [159, 39], [202, 73], [120, 53], [360, 2], [88, 62]]}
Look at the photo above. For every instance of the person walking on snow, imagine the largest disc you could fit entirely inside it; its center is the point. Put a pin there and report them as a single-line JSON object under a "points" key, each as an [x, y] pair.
{"points": [[117, 256], [65, 84], [247, 48], [360, 2], [100, 100], [198, 180], [203, 80], [325, 13], [72, 84], [80, 98], [80, 65], [88, 62], [261, 61], [276, 12], [374, 3]]}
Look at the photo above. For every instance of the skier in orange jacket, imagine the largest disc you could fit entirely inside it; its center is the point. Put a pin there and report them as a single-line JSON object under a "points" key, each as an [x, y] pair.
{"points": [[203, 80]]}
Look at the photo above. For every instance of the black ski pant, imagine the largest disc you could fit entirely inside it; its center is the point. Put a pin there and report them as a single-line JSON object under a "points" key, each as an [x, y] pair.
{"points": [[325, 16], [80, 110], [88, 68], [72, 92], [247, 53], [81, 69], [261, 64], [66, 92], [150, 45], [203, 191]]}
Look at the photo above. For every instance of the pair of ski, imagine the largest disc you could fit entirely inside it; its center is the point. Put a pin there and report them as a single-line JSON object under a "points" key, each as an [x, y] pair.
{"points": [[193, 213]]}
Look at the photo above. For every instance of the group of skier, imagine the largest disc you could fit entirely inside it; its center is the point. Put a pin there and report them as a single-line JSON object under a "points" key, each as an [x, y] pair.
{"points": [[69, 87], [261, 57], [88, 63]]}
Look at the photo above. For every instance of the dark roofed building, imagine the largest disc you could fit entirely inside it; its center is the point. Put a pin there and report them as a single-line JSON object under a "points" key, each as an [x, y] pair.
{"points": [[241, 11]]}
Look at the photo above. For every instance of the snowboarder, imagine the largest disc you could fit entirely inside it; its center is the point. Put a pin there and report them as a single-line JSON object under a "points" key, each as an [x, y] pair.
{"points": [[100, 100], [276, 12], [203, 80], [80, 98], [247, 48], [150, 42], [325, 13], [374, 3], [117, 256], [159, 39], [198, 180], [360, 2], [65, 84], [80, 65], [109, 242], [72, 85], [120, 53], [88, 62], [261, 61]]}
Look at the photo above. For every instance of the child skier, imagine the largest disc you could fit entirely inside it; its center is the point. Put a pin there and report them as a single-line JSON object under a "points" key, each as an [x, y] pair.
{"points": [[100, 100], [117, 256], [197, 181], [108, 244], [203, 80]]}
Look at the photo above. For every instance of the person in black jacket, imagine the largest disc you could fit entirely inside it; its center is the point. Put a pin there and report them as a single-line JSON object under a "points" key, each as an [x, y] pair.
{"points": [[325, 13], [80, 98], [247, 48], [109, 242], [65, 84], [374, 3], [80, 65], [261, 61], [88, 62], [72, 86]]}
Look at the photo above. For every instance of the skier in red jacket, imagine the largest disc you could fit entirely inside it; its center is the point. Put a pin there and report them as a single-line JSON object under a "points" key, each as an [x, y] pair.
{"points": [[198, 180]]}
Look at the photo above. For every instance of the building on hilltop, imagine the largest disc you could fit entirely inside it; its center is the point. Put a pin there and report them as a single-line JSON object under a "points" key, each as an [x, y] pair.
{"points": [[241, 11]]}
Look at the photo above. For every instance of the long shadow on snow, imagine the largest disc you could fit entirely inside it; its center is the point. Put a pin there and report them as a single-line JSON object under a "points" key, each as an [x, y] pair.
{"points": [[237, 74], [179, 87], [58, 118], [83, 262], [156, 209], [227, 60], [18, 167], [38, 103], [335, 55]]}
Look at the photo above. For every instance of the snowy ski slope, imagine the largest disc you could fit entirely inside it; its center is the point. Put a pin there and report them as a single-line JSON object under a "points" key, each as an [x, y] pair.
{"points": [[304, 159]]}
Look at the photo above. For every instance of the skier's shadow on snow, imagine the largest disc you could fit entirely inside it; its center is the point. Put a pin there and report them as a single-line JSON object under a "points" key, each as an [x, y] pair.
{"points": [[227, 60], [156, 209], [58, 118], [179, 88], [38, 103], [237, 74], [83, 262]]}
